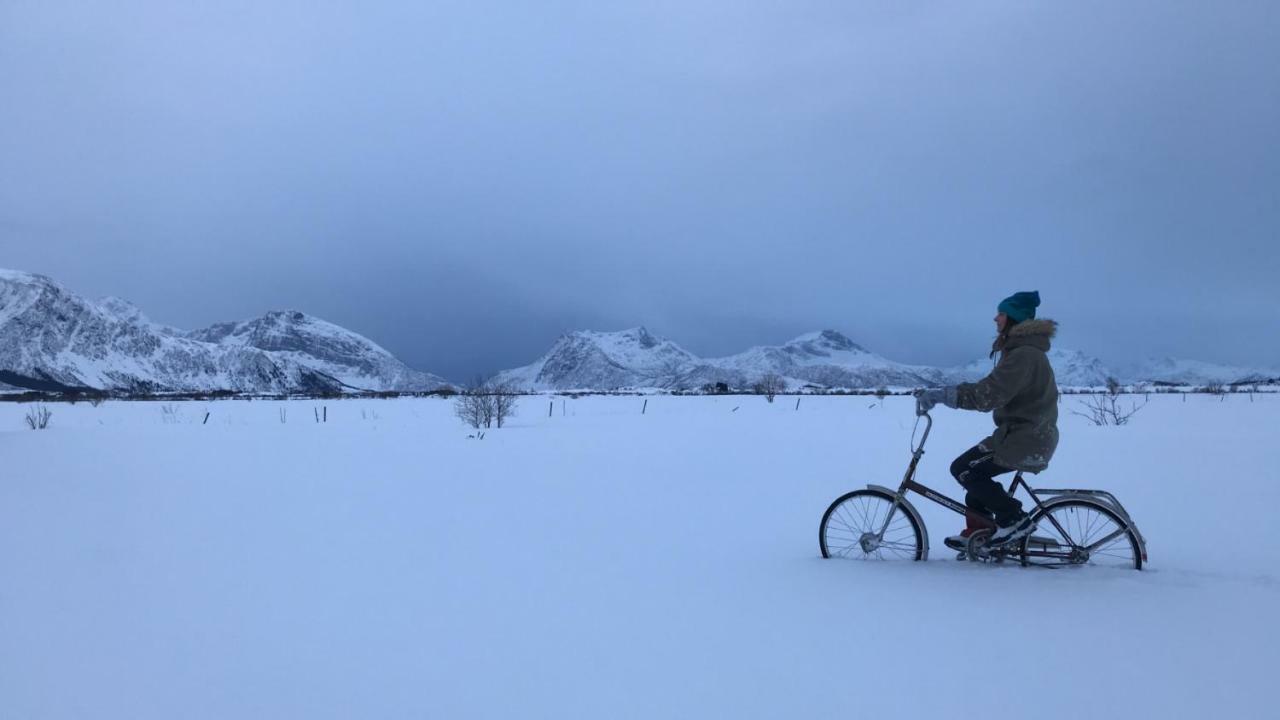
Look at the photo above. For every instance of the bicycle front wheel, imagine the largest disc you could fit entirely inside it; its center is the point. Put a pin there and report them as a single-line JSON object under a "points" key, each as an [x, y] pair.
{"points": [[1081, 531], [851, 529]]}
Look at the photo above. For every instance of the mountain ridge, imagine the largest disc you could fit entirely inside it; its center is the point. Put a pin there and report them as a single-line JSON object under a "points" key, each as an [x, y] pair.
{"points": [[52, 338], [824, 358]]}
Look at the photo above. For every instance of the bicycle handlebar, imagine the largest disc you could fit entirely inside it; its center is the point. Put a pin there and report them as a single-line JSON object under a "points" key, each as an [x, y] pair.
{"points": [[923, 438]]}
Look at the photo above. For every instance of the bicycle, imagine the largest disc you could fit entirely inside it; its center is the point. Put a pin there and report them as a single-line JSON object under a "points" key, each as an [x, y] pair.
{"points": [[1075, 526]]}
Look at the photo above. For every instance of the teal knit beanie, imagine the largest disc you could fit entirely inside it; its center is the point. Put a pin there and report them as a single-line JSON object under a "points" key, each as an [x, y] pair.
{"points": [[1020, 305]]}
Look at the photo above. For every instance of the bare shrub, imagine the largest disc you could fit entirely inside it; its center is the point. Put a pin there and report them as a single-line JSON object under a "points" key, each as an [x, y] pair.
{"points": [[769, 385], [484, 403], [38, 417], [472, 407], [504, 398], [169, 413], [1106, 408], [1114, 388]]}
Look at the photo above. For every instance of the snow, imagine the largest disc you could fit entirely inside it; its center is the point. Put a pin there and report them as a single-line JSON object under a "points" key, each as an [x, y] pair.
{"points": [[17, 276], [604, 563]]}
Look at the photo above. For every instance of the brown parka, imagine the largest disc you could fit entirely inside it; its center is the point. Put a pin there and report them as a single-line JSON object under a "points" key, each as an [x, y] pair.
{"points": [[1022, 394]]}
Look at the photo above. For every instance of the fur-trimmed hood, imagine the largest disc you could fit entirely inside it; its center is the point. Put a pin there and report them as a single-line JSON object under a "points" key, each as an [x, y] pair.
{"points": [[1042, 326], [1035, 333]]}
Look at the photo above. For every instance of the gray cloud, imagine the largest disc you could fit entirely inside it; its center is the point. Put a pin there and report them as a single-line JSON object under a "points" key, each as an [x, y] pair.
{"points": [[462, 181]]}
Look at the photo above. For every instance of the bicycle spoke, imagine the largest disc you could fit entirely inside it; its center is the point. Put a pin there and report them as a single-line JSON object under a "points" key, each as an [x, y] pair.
{"points": [[890, 533], [1109, 538], [1091, 532], [1093, 517]]}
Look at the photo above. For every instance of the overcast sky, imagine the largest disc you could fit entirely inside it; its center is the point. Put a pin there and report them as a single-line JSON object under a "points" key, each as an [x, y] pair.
{"points": [[462, 181]]}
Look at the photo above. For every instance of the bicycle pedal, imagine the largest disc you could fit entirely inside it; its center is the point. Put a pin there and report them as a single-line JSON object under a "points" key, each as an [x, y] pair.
{"points": [[977, 547]]}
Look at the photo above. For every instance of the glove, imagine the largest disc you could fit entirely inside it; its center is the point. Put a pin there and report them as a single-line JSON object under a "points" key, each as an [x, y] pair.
{"points": [[928, 397]]}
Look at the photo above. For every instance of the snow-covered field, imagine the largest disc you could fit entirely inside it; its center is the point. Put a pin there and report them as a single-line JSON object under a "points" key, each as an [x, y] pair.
{"points": [[601, 563]]}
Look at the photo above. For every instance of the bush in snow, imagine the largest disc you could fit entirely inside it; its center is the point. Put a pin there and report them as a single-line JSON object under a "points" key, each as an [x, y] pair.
{"points": [[769, 385], [169, 413], [472, 407], [38, 417], [483, 404], [504, 401], [1106, 409]]}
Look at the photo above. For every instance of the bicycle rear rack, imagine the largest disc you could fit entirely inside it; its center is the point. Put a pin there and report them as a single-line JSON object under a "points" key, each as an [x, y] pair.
{"points": [[1106, 498]]}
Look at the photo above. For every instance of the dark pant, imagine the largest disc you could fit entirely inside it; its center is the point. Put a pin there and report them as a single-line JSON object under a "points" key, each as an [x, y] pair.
{"points": [[974, 470]]}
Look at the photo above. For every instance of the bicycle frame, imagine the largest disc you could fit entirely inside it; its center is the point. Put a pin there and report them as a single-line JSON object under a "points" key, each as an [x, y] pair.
{"points": [[909, 484]]}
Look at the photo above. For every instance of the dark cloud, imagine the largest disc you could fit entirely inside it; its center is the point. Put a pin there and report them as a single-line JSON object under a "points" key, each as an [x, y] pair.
{"points": [[462, 181]]}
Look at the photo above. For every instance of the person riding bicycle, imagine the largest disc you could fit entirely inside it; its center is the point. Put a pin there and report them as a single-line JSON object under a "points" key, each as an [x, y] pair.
{"points": [[1023, 395]]}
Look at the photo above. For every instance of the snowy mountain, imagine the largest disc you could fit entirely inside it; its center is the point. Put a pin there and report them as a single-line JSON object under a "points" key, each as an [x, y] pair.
{"points": [[322, 346], [826, 358], [637, 359], [51, 339], [1071, 368], [587, 359], [1175, 371]]}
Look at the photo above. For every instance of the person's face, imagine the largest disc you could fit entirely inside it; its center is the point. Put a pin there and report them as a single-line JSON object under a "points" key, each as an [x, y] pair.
{"points": [[1001, 320]]}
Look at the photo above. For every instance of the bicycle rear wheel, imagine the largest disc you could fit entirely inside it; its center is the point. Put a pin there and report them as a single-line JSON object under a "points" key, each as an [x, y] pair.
{"points": [[1082, 531], [850, 529]]}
